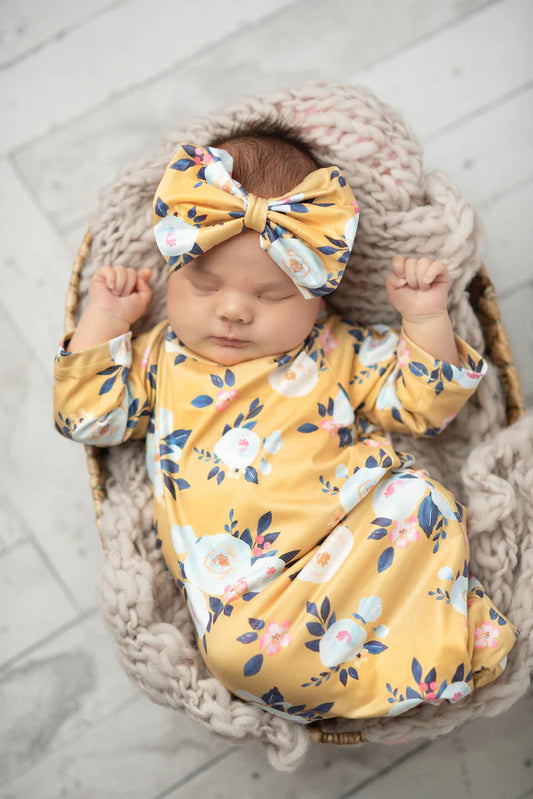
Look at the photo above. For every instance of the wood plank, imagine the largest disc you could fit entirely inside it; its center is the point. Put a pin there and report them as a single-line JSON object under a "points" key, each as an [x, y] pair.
{"points": [[130, 44], [67, 167], [24, 27], [458, 69]]}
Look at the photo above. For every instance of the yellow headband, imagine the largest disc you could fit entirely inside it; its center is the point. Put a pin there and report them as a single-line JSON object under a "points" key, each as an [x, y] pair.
{"points": [[309, 232]]}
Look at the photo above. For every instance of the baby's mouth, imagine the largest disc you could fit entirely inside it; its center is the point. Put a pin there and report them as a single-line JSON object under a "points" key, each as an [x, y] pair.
{"points": [[227, 341]]}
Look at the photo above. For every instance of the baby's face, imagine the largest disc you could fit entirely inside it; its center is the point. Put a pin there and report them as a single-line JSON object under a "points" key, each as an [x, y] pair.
{"points": [[233, 304]]}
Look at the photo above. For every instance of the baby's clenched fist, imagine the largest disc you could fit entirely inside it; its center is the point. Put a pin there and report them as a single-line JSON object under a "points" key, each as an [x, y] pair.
{"points": [[120, 291]]}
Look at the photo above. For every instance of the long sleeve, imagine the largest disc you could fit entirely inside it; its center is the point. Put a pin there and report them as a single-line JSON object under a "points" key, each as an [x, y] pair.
{"points": [[398, 386], [105, 394]]}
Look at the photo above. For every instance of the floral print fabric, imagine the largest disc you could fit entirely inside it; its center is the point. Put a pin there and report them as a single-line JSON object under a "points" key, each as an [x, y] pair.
{"points": [[325, 573], [198, 205]]}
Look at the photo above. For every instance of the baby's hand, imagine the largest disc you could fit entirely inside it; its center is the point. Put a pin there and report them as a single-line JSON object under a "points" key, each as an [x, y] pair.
{"points": [[122, 292], [418, 288]]}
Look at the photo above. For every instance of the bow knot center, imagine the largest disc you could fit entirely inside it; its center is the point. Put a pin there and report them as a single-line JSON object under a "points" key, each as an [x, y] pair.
{"points": [[256, 213]]}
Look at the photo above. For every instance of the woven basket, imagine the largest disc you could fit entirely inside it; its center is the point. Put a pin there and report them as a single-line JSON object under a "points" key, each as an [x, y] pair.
{"points": [[400, 208]]}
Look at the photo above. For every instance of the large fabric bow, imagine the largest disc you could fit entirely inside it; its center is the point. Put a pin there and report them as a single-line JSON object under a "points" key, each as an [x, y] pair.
{"points": [[308, 233]]}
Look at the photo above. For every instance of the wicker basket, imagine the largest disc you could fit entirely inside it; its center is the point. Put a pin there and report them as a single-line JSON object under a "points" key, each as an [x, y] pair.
{"points": [[382, 160], [483, 300]]}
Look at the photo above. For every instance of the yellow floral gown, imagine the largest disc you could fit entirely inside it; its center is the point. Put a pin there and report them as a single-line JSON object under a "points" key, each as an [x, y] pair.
{"points": [[325, 574]]}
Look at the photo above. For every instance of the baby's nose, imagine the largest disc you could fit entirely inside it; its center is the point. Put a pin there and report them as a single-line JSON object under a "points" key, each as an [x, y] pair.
{"points": [[235, 309]]}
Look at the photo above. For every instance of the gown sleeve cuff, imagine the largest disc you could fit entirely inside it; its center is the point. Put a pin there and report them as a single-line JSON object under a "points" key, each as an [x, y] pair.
{"points": [[442, 373], [115, 352]]}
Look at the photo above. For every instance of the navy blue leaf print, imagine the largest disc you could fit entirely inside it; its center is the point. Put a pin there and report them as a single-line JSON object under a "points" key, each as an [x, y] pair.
{"points": [[417, 368], [202, 401], [228, 610], [229, 377], [288, 556], [312, 609], [382, 521], [217, 381], [214, 471], [315, 628], [332, 619], [340, 243], [215, 604], [459, 674], [134, 407], [264, 522], [447, 371], [182, 484], [161, 208], [313, 645], [178, 437], [430, 676], [331, 406], [182, 164], [385, 559], [396, 413], [246, 537], [374, 647], [307, 428], [107, 385], [191, 213], [250, 474], [300, 208], [387, 462], [247, 638], [377, 535], [321, 409], [249, 595], [353, 673], [325, 608], [327, 250], [411, 693], [170, 485], [428, 514], [179, 359], [324, 708], [169, 466], [220, 477], [416, 670], [253, 666], [256, 624], [343, 676], [371, 462]]}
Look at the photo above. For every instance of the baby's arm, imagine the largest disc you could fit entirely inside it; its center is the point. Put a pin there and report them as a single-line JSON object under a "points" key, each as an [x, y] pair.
{"points": [[418, 289], [118, 296], [105, 382]]}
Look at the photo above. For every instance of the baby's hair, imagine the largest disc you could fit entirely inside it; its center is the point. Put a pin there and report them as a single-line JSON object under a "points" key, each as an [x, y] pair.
{"points": [[269, 157]]}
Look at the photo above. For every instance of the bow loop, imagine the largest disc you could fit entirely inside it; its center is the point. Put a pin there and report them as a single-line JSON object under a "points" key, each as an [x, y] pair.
{"points": [[308, 233]]}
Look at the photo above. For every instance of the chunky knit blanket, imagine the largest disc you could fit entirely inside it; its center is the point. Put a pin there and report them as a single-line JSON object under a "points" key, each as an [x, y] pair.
{"points": [[487, 464]]}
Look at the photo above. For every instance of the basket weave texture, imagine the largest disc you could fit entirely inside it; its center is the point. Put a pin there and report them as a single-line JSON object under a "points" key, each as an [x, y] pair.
{"points": [[485, 456]]}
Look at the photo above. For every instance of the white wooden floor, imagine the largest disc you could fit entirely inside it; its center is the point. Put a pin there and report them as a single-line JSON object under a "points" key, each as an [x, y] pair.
{"points": [[86, 88]]}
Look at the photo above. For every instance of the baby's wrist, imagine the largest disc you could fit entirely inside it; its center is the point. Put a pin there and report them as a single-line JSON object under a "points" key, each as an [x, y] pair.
{"points": [[107, 320]]}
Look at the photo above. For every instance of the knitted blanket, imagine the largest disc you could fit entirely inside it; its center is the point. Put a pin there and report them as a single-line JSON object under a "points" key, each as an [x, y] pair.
{"points": [[489, 466]]}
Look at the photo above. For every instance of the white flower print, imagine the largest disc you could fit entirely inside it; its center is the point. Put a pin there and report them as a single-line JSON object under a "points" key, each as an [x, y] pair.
{"points": [[402, 707], [221, 564], [387, 397], [237, 447], [370, 608], [458, 595], [174, 236], [120, 349], [373, 350], [341, 642], [298, 261], [456, 691], [398, 496], [295, 379], [327, 560], [350, 230], [198, 607], [105, 430], [359, 485], [273, 443]]}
